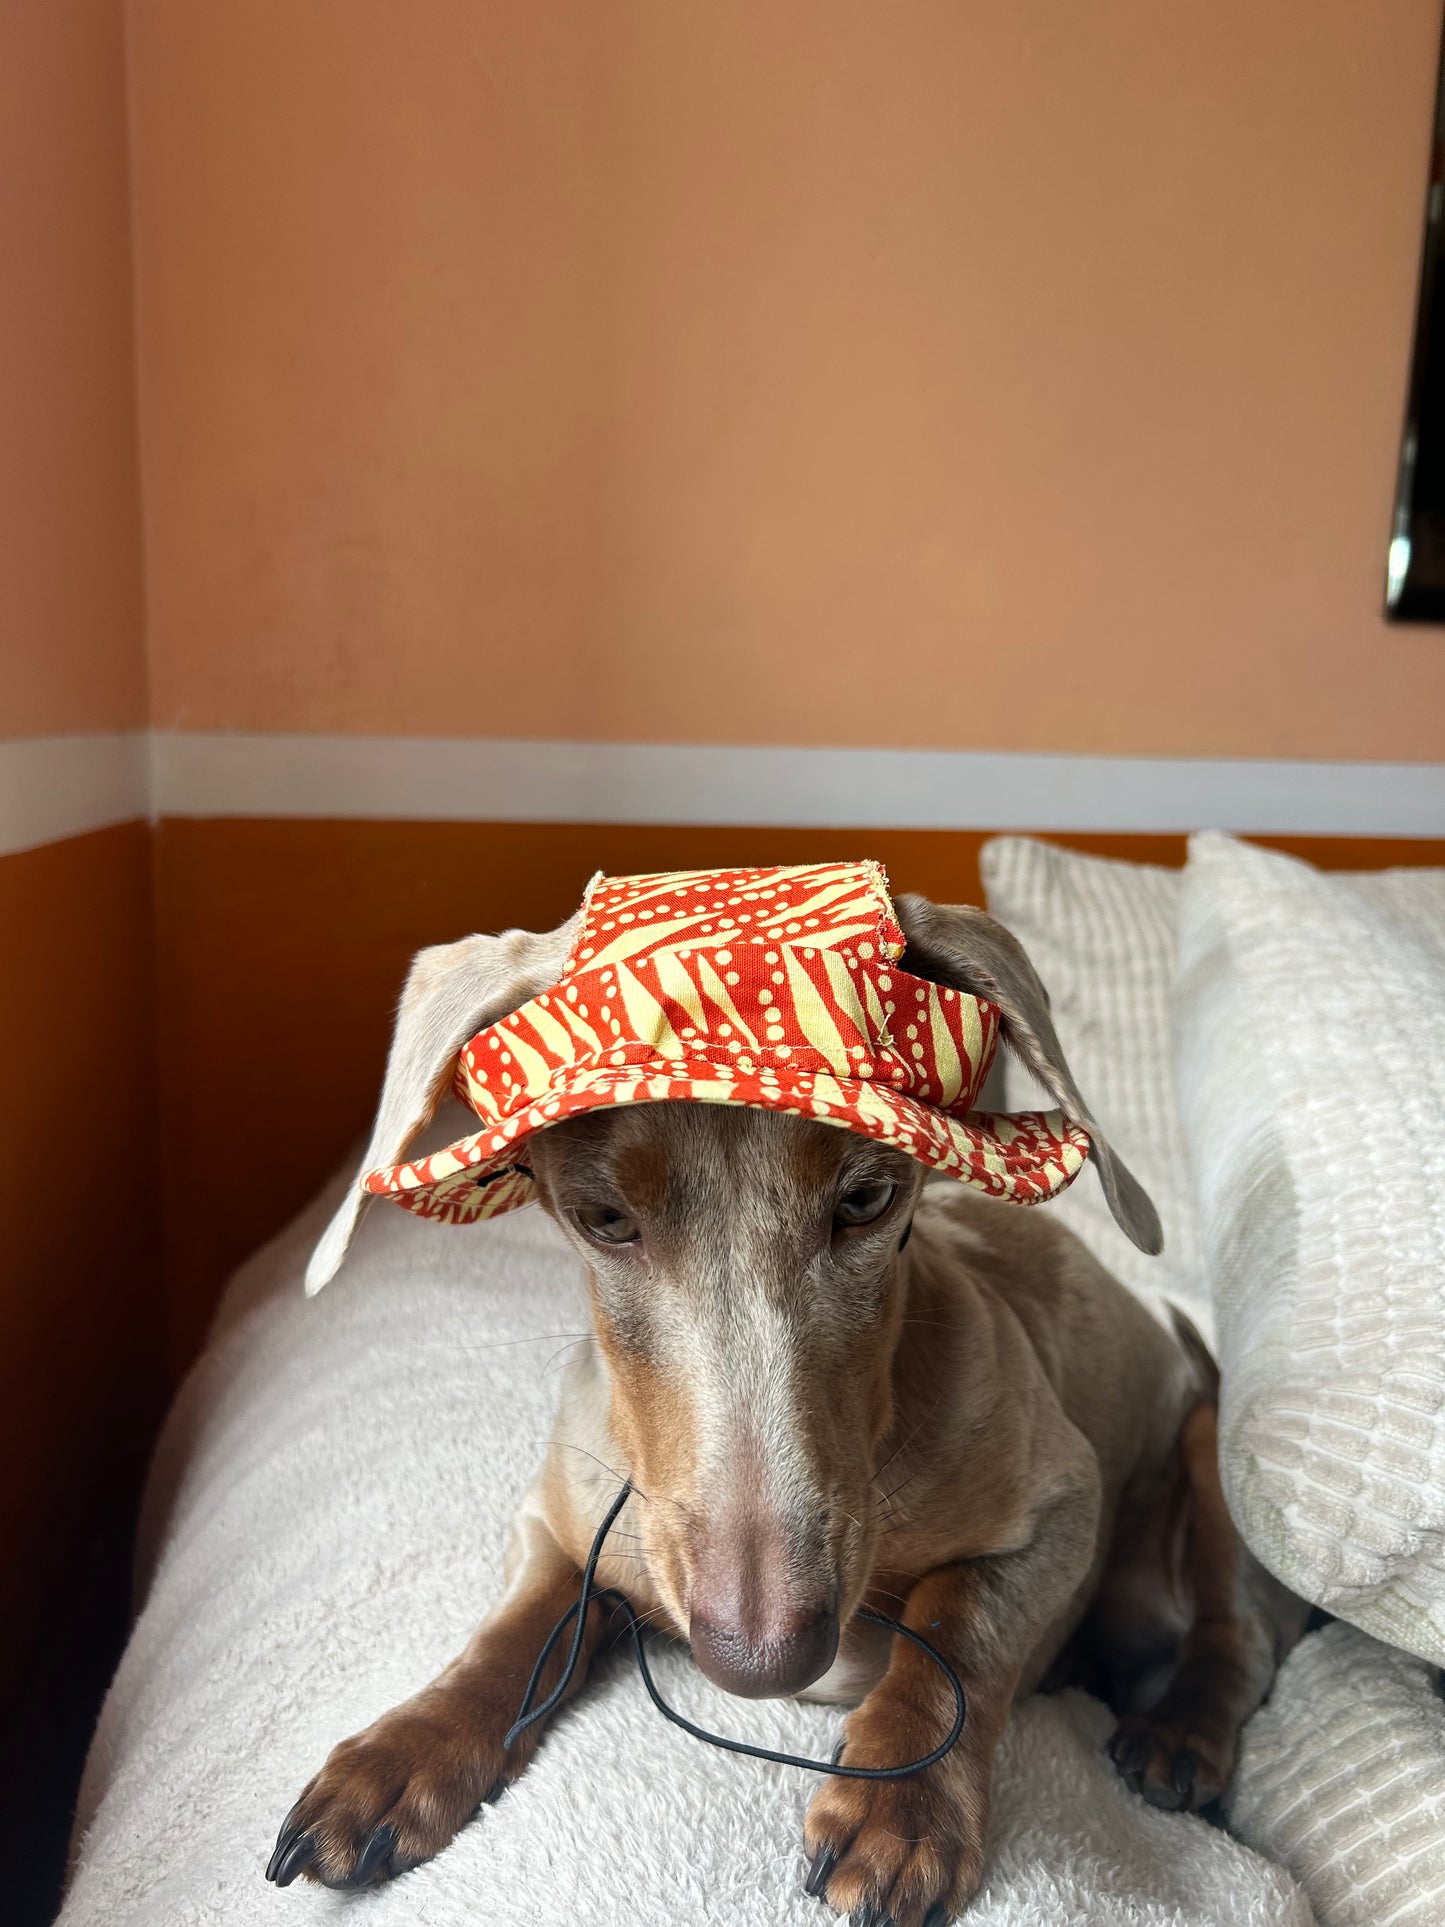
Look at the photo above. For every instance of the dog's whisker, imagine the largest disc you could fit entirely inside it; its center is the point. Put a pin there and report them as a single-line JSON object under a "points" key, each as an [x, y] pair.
{"points": [[889, 1497], [886, 1592], [651, 1616], [881, 1469], [566, 1445], [585, 1339], [531, 1338], [900, 1486]]}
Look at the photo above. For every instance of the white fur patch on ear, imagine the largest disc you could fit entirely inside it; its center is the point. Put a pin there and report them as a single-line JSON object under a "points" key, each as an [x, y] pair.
{"points": [[452, 991], [331, 1246]]}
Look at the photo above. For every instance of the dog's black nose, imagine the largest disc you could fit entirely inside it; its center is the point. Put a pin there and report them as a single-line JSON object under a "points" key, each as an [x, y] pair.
{"points": [[793, 1650]]}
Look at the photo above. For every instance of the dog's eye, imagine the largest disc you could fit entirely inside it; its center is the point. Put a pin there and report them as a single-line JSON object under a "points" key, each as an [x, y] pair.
{"points": [[865, 1202], [607, 1224]]}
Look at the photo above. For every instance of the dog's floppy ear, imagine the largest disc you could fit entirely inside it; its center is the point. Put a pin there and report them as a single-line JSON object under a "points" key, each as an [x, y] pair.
{"points": [[452, 991], [955, 944]]}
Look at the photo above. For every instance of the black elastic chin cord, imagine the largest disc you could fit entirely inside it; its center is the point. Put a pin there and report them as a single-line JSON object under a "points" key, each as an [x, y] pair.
{"points": [[529, 1714]]}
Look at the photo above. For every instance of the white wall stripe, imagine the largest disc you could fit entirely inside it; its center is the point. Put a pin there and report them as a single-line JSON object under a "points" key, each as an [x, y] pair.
{"points": [[59, 786], [420, 778]]}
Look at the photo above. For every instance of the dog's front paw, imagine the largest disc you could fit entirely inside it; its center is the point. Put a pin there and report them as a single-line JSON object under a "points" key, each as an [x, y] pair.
{"points": [[393, 1796], [896, 1853], [1173, 1764]]}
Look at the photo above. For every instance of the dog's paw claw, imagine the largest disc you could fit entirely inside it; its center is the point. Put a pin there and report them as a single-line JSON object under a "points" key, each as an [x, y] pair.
{"points": [[293, 1853], [376, 1850], [820, 1872], [1168, 1766], [1129, 1752]]}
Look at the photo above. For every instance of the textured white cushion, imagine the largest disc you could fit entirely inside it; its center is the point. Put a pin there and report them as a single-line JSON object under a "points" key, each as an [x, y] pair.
{"points": [[1311, 1060], [325, 1525], [1104, 938], [1342, 1778], [1342, 1774]]}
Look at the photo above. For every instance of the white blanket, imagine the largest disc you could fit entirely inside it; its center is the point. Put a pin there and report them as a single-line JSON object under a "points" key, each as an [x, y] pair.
{"points": [[324, 1528]]}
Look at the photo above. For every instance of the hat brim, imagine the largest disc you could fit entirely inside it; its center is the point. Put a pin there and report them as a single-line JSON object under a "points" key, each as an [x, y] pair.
{"points": [[1025, 1157]]}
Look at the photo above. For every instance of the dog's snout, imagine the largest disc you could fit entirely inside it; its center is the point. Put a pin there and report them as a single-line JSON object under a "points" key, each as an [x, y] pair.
{"points": [[768, 1660]]}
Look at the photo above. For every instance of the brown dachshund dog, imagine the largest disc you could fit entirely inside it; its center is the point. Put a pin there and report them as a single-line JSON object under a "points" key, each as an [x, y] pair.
{"points": [[834, 1385]]}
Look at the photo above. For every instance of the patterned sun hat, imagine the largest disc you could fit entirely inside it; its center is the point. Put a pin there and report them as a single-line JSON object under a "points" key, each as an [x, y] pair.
{"points": [[778, 988]]}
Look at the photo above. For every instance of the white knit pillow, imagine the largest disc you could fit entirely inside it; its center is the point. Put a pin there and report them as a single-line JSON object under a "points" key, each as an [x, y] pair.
{"points": [[1342, 1780], [1104, 938], [1310, 1022]]}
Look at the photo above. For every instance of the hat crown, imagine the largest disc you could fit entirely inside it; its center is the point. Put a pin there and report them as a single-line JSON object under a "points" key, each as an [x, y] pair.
{"points": [[829, 906]]}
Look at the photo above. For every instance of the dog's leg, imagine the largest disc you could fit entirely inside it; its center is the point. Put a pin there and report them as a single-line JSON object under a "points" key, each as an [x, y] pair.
{"points": [[395, 1794], [1179, 1750], [911, 1852]]}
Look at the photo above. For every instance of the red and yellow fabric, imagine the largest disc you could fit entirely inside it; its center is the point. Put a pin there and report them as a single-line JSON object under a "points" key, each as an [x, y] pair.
{"points": [[778, 988]]}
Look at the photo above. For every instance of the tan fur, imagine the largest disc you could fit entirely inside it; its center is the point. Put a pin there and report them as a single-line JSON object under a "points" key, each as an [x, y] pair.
{"points": [[973, 1427]]}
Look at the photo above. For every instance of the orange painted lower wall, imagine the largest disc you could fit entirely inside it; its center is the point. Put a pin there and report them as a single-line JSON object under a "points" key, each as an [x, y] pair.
{"points": [[80, 1304], [283, 944]]}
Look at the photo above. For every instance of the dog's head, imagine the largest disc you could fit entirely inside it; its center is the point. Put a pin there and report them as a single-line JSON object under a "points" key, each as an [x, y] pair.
{"points": [[747, 1292]]}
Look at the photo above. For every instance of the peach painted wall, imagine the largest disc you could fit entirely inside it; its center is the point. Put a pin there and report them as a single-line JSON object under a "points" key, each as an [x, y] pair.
{"points": [[70, 560], [1018, 376]]}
